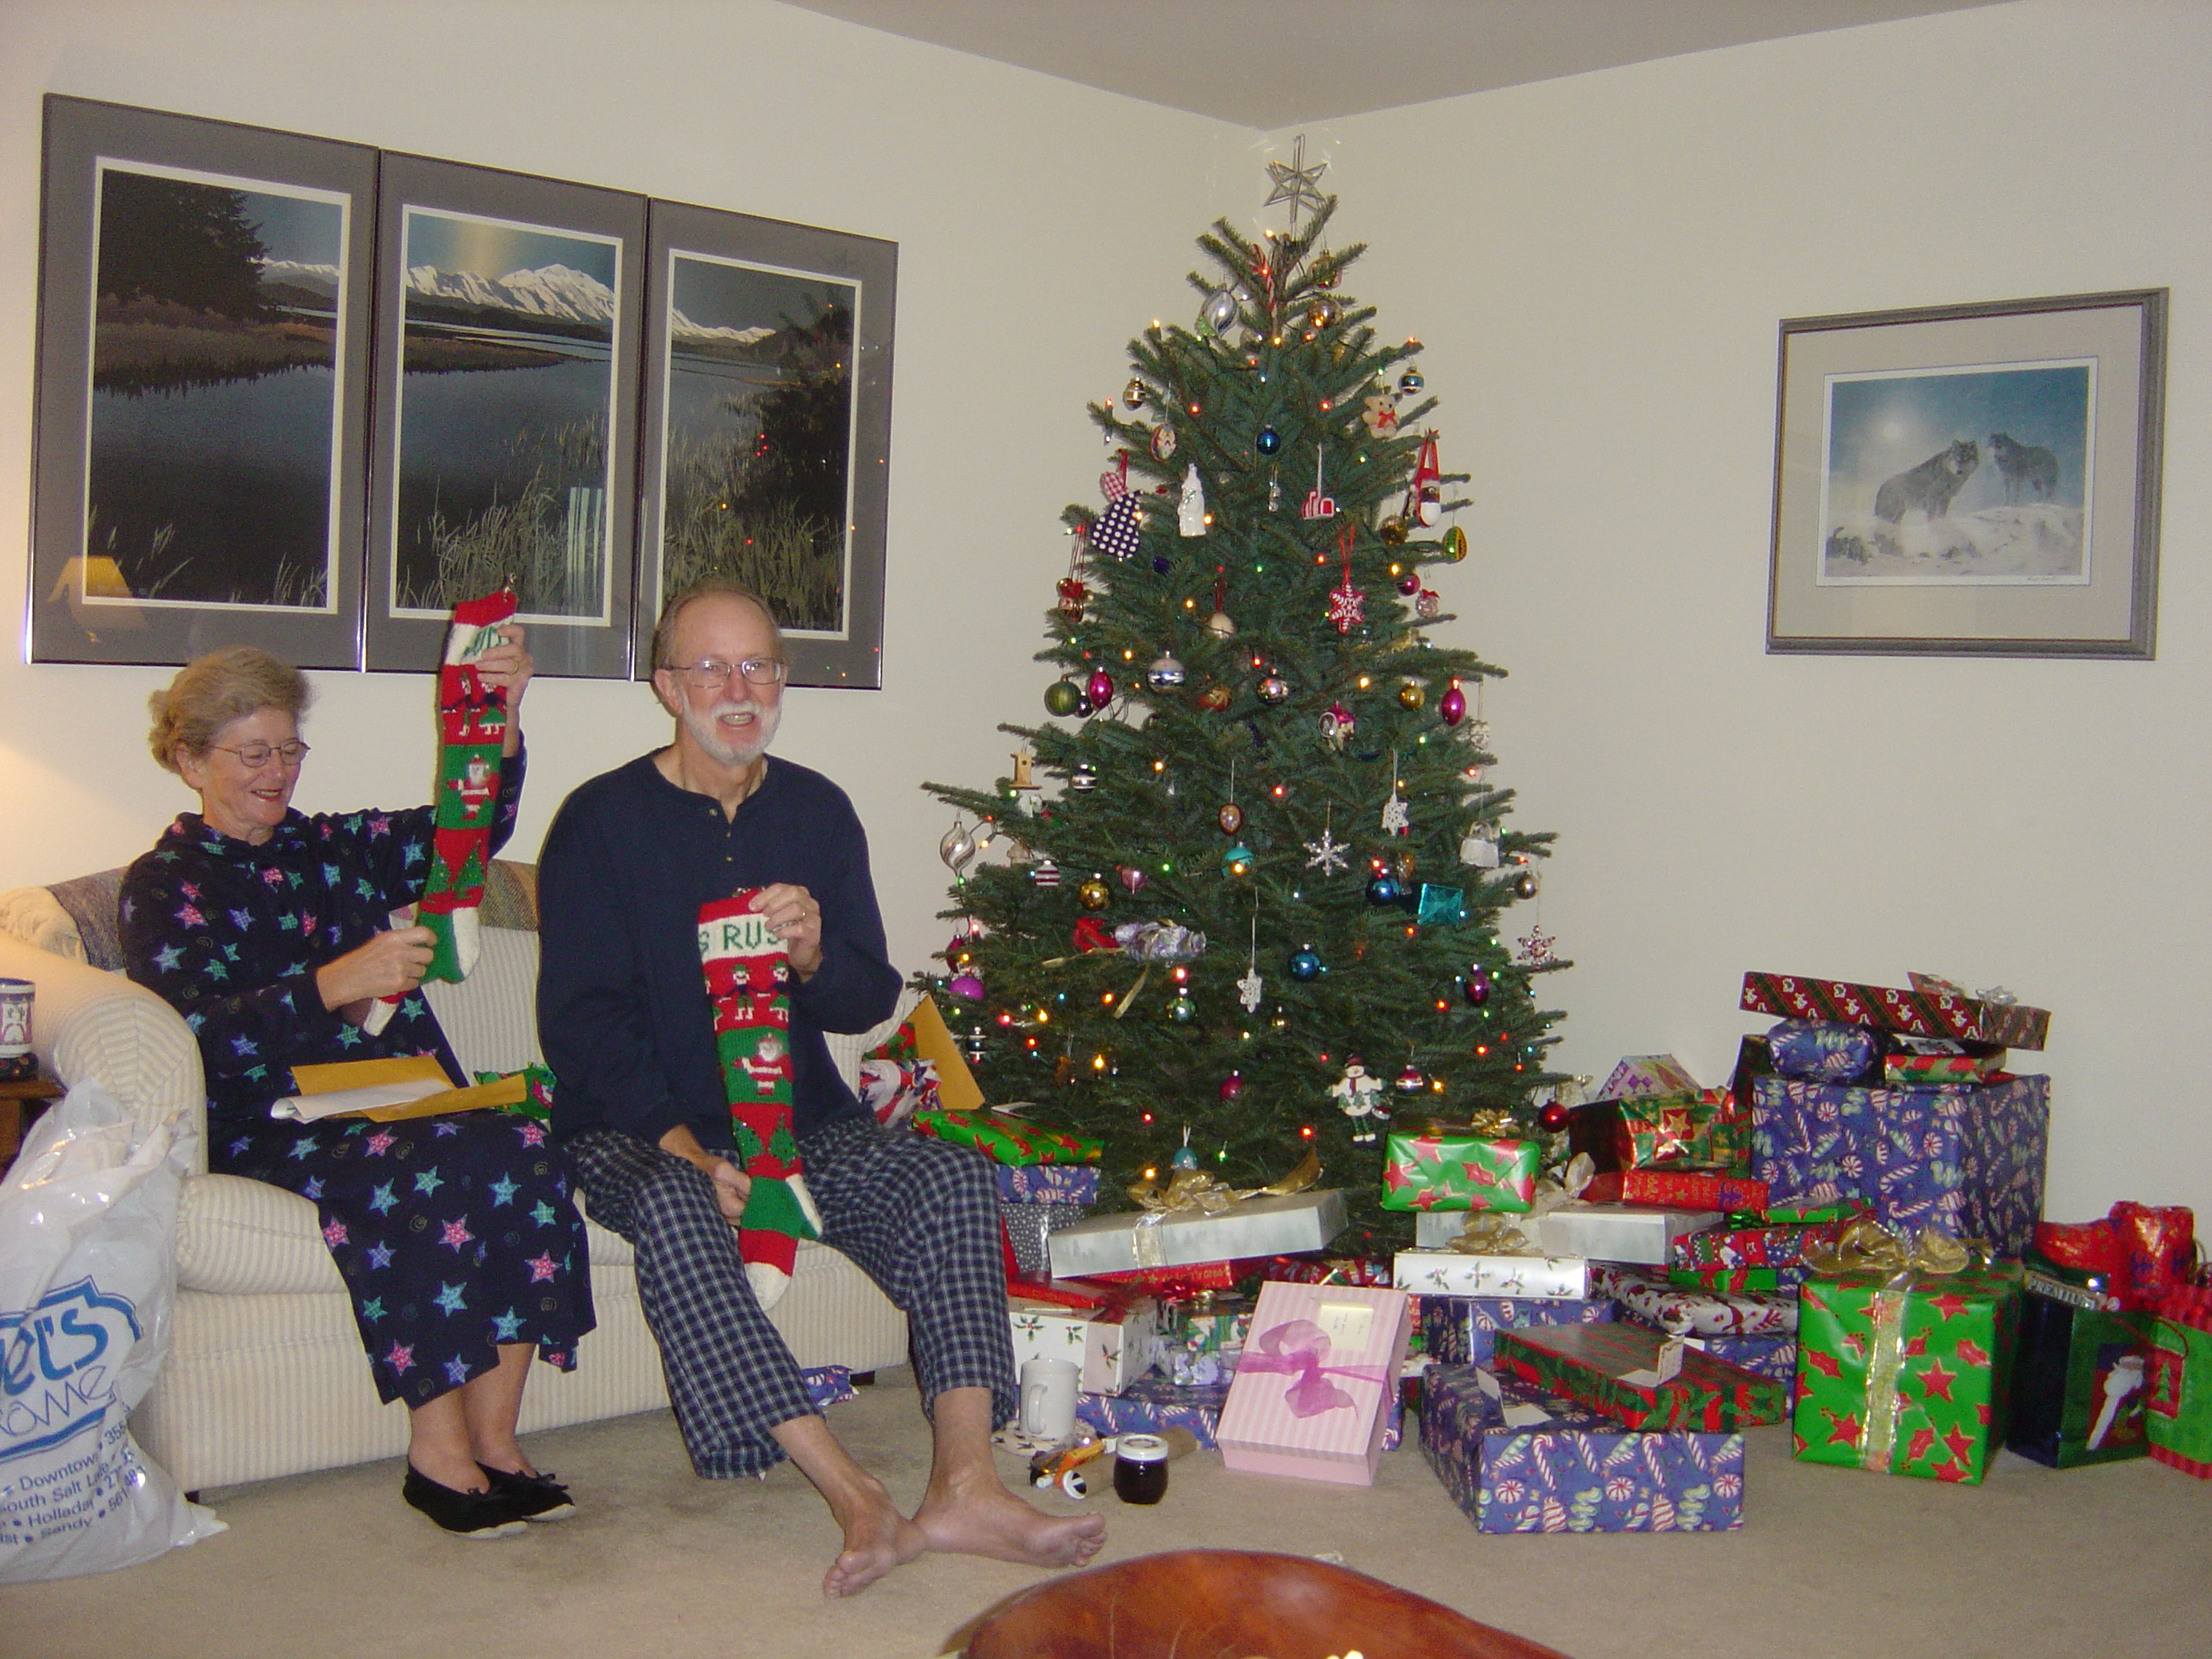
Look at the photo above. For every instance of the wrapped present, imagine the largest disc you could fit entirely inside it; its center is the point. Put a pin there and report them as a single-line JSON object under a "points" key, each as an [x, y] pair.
{"points": [[1003, 1138], [1172, 1284], [895, 1089], [1028, 1228], [1658, 1302], [1449, 1273], [1200, 1340], [1316, 1382], [1918, 1071], [827, 1385], [2177, 1415], [1804, 1215], [1676, 1189], [1641, 1376], [1823, 1052], [1774, 1358], [1648, 1074], [1620, 1232], [925, 1037], [1153, 1405], [1967, 1161], [1173, 1238], [1336, 1269], [1046, 1183], [1115, 1346], [1904, 1365], [1717, 1279], [1459, 1330], [1703, 1131], [1760, 1246], [1924, 1011], [1520, 1461], [1442, 1170], [2079, 1369], [2158, 1243]]}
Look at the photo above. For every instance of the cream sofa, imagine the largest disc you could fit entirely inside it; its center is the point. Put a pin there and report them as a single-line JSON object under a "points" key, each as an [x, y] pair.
{"points": [[264, 1375]]}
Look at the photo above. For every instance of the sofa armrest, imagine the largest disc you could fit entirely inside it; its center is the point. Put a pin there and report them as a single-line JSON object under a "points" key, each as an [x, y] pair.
{"points": [[91, 1024]]}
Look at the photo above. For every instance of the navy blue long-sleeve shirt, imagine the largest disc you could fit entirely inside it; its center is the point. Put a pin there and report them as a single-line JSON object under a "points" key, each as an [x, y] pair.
{"points": [[623, 1013]]}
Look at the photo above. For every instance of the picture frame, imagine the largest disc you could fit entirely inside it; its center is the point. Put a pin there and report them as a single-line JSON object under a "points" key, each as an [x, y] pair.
{"points": [[765, 449], [1978, 479], [504, 437], [199, 447]]}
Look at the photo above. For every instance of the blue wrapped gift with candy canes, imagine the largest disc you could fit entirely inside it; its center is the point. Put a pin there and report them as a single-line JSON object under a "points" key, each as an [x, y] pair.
{"points": [[1517, 1460], [1966, 1160], [1462, 1330], [1152, 1404]]}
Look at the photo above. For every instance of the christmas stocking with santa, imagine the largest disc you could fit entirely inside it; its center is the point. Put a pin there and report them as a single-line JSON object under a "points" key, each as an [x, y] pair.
{"points": [[746, 973], [472, 730]]}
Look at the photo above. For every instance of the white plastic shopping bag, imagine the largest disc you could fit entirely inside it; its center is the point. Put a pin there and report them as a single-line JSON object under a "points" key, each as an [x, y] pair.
{"points": [[88, 1278]]}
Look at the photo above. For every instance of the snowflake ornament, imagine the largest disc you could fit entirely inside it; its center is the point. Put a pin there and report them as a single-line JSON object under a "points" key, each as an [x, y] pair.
{"points": [[1329, 853], [1346, 605], [1536, 948], [1396, 820], [1248, 990]]}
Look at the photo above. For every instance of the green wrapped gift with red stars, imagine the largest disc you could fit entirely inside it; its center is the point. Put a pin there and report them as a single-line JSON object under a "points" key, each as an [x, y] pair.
{"points": [[1904, 1368], [1004, 1138], [1443, 1170]]}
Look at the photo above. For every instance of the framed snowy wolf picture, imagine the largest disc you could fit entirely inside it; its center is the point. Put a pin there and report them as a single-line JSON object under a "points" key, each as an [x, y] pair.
{"points": [[1971, 480]]}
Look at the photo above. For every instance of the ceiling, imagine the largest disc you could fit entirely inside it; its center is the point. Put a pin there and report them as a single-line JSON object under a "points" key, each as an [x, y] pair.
{"points": [[1269, 64]]}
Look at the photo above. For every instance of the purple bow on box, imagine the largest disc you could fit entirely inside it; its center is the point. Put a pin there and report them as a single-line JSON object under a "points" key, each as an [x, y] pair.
{"points": [[1296, 1348]]}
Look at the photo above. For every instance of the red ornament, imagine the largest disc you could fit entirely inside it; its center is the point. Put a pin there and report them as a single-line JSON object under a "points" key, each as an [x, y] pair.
{"points": [[1452, 706], [1073, 596], [1554, 1117], [1232, 1086], [1098, 689], [1133, 878], [1409, 585]]}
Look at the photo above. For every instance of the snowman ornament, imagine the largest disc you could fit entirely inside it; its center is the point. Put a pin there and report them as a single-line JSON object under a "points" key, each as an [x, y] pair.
{"points": [[1360, 1097]]}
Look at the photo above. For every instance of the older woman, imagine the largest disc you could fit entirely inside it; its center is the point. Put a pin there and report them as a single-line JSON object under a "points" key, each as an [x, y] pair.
{"points": [[271, 933]]}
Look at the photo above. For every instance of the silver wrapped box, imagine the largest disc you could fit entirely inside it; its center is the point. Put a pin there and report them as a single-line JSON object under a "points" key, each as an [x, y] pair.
{"points": [[1185, 1238]]}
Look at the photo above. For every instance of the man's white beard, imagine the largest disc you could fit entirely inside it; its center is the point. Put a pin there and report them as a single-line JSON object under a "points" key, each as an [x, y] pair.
{"points": [[707, 735]]}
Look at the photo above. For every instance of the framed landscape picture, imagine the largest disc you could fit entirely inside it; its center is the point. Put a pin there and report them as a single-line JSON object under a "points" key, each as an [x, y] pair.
{"points": [[505, 377], [203, 330], [766, 429], [1977, 479]]}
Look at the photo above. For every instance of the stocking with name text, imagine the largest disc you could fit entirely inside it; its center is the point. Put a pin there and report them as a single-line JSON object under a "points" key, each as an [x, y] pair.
{"points": [[747, 974]]}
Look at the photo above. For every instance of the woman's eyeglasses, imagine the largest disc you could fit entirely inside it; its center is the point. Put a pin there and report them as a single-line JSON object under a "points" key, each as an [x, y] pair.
{"points": [[255, 756], [707, 675]]}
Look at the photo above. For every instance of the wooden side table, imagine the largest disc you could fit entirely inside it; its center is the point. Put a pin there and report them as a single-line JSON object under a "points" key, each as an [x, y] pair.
{"points": [[21, 1101]]}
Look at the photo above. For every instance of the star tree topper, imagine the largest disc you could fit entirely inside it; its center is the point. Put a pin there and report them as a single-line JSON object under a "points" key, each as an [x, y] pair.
{"points": [[1296, 183]]}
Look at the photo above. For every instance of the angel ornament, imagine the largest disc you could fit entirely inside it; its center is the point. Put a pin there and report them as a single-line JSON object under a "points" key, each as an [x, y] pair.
{"points": [[1360, 1097]]}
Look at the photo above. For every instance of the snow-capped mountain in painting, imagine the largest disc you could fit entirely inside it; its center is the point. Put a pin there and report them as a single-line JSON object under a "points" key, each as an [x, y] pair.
{"points": [[556, 292]]}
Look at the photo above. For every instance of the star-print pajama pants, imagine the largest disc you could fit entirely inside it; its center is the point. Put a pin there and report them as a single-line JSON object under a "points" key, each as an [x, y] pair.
{"points": [[920, 1217], [454, 1234]]}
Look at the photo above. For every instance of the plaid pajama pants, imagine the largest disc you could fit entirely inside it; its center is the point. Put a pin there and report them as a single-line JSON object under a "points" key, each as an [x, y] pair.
{"points": [[918, 1216]]}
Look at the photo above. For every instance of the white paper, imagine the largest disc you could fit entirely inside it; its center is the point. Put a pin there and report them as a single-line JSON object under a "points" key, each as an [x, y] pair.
{"points": [[311, 1108], [1524, 1414], [1344, 1323]]}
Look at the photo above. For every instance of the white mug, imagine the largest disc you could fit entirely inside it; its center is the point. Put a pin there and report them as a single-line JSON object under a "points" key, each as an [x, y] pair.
{"points": [[15, 997], [1048, 1398]]}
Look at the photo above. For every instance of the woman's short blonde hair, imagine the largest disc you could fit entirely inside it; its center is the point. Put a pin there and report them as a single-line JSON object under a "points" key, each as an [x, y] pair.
{"points": [[209, 692]]}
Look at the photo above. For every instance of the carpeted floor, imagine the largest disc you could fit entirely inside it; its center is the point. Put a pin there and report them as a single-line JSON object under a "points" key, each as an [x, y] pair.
{"points": [[2108, 1561]]}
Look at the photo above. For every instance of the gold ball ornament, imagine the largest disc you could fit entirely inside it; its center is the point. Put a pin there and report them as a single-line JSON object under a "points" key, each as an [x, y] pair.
{"points": [[1411, 694], [1133, 394], [1094, 895], [1393, 532]]}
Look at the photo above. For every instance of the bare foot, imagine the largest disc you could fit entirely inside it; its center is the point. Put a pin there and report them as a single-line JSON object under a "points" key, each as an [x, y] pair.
{"points": [[988, 1520], [877, 1539]]}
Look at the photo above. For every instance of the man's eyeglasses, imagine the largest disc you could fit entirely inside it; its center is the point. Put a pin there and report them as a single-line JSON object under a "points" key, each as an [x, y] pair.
{"points": [[708, 675], [255, 756]]}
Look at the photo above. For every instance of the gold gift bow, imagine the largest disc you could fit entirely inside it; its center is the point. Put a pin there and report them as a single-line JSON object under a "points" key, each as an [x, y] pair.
{"points": [[1499, 1232], [1195, 1189], [1866, 1245]]}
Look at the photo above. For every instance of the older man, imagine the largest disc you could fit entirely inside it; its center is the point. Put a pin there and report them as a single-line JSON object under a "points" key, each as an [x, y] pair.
{"points": [[641, 1108]]}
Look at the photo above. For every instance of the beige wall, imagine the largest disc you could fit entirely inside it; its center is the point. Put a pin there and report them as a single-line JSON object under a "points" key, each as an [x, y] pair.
{"points": [[1597, 265]]}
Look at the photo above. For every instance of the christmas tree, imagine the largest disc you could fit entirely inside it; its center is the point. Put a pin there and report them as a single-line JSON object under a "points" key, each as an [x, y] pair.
{"points": [[1264, 914]]}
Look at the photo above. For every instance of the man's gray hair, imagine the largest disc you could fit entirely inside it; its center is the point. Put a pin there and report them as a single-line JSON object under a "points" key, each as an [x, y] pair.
{"points": [[664, 631]]}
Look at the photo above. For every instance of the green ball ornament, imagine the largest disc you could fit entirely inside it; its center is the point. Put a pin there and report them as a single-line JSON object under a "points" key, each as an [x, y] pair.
{"points": [[1181, 1009], [1062, 697]]}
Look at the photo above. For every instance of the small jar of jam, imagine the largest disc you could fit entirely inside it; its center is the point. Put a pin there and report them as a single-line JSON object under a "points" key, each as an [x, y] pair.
{"points": [[1140, 1468]]}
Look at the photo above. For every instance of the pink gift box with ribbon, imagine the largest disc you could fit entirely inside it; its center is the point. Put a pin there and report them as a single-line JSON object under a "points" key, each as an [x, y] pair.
{"points": [[1313, 1388]]}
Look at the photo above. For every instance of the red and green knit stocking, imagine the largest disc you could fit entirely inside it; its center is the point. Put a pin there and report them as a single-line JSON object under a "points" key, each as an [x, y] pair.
{"points": [[472, 731], [746, 974]]}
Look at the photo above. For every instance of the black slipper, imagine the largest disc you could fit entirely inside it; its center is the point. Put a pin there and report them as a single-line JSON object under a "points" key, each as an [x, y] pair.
{"points": [[490, 1514], [535, 1497]]}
